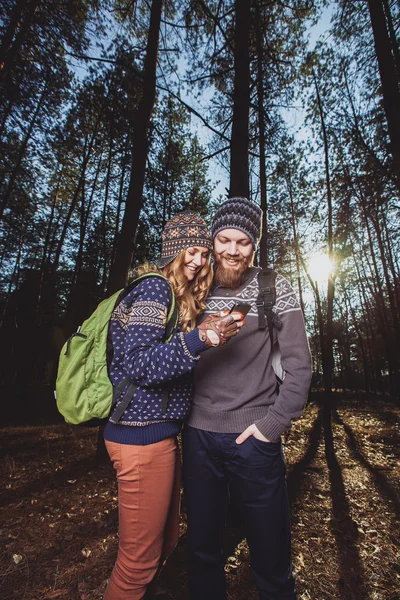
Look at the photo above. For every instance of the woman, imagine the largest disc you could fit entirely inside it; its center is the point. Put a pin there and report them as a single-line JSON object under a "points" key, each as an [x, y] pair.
{"points": [[142, 445]]}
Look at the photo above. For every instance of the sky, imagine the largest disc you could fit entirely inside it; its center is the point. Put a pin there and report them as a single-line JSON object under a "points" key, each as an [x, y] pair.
{"points": [[294, 118], [219, 176]]}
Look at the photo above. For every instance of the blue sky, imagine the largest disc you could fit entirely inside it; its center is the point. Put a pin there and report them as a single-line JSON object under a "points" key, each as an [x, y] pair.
{"points": [[294, 118], [218, 175]]}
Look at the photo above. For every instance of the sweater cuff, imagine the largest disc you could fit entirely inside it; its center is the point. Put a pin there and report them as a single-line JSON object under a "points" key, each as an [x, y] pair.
{"points": [[194, 343], [270, 427]]}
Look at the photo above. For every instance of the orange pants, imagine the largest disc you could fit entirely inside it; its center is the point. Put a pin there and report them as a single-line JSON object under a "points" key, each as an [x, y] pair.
{"points": [[148, 508]]}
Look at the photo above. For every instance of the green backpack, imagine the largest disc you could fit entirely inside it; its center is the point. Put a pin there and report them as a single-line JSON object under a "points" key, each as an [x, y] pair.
{"points": [[84, 391]]}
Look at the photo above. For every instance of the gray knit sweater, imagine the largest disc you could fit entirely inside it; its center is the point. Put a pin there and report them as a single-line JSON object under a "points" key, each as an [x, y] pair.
{"points": [[235, 386]]}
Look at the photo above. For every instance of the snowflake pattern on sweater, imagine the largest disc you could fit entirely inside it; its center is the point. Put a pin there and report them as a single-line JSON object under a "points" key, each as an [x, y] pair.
{"points": [[286, 300], [137, 328]]}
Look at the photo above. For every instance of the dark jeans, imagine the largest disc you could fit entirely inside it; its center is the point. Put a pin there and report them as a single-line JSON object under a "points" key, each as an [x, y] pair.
{"points": [[254, 474]]}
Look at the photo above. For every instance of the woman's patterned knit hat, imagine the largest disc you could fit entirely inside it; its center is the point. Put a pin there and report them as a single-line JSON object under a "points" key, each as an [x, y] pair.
{"points": [[239, 213], [184, 230]]}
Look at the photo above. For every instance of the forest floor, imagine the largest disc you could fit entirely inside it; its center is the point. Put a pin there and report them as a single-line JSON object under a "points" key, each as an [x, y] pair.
{"points": [[58, 512]]}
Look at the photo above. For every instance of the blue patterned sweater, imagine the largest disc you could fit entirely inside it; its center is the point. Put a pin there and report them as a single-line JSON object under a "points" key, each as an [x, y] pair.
{"points": [[137, 329]]}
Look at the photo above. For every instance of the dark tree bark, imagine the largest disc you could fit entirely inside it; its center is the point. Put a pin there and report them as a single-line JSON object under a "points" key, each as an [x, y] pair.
{"points": [[27, 138], [389, 78], [381, 320], [87, 155], [328, 351], [379, 166], [166, 196], [239, 163], [134, 200], [261, 129], [104, 214], [392, 35], [331, 288], [389, 328], [394, 270], [14, 275], [361, 343], [46, 248], [296, 243], [85, 210], [119, 207], [73, 203]]}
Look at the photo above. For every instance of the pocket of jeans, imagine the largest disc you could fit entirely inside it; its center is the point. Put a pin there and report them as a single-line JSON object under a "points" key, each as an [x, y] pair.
{"points": [[270, 447]]}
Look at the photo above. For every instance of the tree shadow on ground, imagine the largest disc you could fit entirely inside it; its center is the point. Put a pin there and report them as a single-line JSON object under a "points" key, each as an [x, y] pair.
{"points": [[351, 570], [296, 475], [381, 482]]}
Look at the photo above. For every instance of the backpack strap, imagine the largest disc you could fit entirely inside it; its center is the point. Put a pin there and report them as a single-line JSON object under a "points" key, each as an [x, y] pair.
{"points": [[172, 319], [170, 329], [123, 405], [266, 300]]}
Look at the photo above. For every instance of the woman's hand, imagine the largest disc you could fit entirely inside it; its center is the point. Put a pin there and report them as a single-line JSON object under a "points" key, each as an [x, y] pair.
{"points": [[216, 330]]}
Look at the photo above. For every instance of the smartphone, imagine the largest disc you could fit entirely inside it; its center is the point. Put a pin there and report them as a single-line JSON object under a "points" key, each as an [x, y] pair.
{"points": [[240, 307]]}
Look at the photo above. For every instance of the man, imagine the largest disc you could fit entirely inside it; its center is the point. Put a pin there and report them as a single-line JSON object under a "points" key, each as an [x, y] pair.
{"points": [[232, 440]]}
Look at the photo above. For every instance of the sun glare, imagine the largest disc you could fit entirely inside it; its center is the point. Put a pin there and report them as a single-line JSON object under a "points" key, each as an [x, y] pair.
{"points": [[319, 267]]}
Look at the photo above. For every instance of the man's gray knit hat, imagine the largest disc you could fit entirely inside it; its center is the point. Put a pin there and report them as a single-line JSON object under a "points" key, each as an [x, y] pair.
{"points": [[239, 213], [184, 230]]}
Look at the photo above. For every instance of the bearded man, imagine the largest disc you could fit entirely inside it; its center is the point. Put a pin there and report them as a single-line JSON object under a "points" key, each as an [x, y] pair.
{"points": [[232, 441]]}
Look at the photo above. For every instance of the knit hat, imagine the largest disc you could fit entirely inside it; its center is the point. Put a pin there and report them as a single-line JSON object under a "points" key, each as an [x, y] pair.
{"points": [[239, 213], [184, 230]]}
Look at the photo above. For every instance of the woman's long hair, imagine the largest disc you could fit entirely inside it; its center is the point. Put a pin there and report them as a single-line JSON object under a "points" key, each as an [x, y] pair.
{"points": [[190, 295]]}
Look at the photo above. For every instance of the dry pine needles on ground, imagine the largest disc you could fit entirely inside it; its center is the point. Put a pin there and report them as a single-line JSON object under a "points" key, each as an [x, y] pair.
{"points": [[59, 512]]}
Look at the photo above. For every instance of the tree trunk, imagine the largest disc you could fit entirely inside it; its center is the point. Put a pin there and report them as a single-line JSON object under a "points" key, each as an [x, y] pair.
{"points": [[331, 288], [377, 163], [261, 128], [104, 214], [319, 314], [14, 277], [46, 249], [392, 35], [378, 293], [72, 207], [328, 370], [86, 157], [134, 200], [73, 306], [239, 163], [119, 206], [7, 112], [361, 342], [394, 270], [296, 243], [21, 155], [380, 313], [389, 78]]}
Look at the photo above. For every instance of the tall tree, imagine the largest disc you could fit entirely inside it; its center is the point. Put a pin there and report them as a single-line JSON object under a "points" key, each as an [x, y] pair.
{"points": [[134, 199], [389, 75], [239, 163]]}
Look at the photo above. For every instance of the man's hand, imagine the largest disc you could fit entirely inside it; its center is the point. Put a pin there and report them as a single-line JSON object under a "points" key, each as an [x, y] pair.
{"points": [[251, 430]]}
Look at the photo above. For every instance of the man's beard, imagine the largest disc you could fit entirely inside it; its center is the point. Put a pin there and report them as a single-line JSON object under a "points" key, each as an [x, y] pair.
{"points": [[230, 277]]}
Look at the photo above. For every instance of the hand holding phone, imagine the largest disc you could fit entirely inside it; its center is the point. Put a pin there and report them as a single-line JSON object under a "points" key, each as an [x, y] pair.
{"points": [[240, 307]]}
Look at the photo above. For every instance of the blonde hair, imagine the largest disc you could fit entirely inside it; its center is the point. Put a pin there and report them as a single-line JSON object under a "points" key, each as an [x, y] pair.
{"points": [[190, 295]]}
